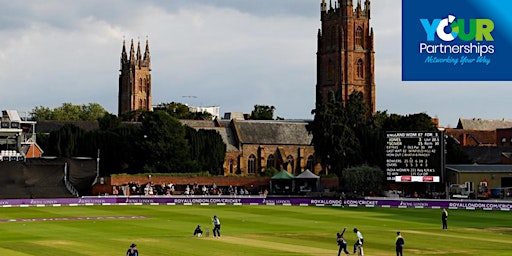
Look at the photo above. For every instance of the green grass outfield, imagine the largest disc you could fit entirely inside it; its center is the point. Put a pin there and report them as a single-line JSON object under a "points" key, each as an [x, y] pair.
{"points": [[248, 230]]}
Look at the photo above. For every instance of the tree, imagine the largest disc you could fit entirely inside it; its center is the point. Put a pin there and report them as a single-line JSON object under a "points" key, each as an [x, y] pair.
{"points": [[42, 113], [334, 130], [363, 178], [411, 122], [69, 112], [91, 112], [182, 111], [263, 112], [64, 142], [455, 154], [207, 148], [109, 122], [163, 147]]}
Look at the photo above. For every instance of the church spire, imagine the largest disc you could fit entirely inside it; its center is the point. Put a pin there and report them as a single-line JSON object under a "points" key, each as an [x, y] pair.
{"points": [[135, 79], [146, 53], [124, 57], [132, 52], [367, 8], [139, 56]]}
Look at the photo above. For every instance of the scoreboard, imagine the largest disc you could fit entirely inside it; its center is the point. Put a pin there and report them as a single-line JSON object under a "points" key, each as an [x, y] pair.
{"points": [[414, 156]]}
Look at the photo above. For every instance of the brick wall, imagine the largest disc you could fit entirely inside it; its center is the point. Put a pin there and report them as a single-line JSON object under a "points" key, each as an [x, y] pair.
{"points": [[108, 182]]}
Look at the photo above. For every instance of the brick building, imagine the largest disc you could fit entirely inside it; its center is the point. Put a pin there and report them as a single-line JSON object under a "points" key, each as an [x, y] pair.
{"points": [[135, 80], [253, 145], [486, 141], [345, 56]]}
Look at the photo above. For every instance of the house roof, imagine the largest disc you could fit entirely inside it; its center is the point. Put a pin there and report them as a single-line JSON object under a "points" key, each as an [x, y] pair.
{"points": [[273, 132], [472, 137], [483, 124], [480, 168], [487, 155]]}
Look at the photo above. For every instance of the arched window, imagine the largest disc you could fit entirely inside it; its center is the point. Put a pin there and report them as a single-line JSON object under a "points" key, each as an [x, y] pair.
{"points": [[290, 164], [144, 85], [309, 164], [360, 68], [140, 84], [231, 166], [140, 103], [271, 161], [251, 164], [359, 36]]}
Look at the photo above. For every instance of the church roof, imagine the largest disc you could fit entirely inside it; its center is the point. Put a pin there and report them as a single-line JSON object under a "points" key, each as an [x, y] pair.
{"points": [[227, 136], [483, 124], [225, 132], [198, 123], [273, 132]]}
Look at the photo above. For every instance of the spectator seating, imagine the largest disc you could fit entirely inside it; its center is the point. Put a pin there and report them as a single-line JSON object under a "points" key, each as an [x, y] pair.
{"points": [[11, 155]]}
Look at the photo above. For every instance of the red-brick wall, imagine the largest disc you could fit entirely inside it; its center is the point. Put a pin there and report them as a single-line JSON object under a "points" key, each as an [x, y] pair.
{"points": [[108, 182]]}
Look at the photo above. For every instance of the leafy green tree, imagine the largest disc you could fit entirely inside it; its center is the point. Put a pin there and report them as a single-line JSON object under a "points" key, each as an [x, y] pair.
{"points": [[263, 112], [207, 149], [363, 178], [163, 147], [41, 113], [412, 122], [69, 112], [64, 142], [269, 172], [117, 149], [455, 154], [109, 122], [182, 111], [92, 112], [335, 130]]}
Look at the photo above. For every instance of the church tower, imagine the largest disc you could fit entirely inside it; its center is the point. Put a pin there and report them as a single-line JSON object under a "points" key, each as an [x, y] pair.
{"points": [[345, 56], [135, 80]]}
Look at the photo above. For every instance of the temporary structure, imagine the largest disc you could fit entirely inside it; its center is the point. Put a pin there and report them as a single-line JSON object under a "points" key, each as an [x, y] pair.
{"points": [[307, 182], [282, 183]]}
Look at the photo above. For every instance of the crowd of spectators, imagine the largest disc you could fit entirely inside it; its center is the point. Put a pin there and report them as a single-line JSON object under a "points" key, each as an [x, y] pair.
{"points": [[151, 189]]}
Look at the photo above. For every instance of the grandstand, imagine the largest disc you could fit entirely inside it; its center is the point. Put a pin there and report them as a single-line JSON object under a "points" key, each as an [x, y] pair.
{"points": [[46, 178], [25, 174]]}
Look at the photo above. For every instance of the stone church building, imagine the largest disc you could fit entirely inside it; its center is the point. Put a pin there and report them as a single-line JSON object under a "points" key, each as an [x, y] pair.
{"points": [[345, 63], [135, 80], [346, 55]]}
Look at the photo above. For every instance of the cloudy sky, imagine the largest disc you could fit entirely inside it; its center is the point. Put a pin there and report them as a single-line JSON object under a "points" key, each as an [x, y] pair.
{"points": [[229, 53]]}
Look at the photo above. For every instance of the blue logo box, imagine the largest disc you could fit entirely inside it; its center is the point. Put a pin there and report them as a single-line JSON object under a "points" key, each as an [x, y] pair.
{"points": [[456, 40]]}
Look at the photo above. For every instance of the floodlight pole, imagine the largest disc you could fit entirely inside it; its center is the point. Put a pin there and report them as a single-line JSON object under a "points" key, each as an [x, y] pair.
{"points": [[444, 175]]}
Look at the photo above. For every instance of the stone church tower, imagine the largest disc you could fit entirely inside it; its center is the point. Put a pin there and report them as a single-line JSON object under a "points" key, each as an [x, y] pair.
{"points": [[135, 80], [345, 56]]}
